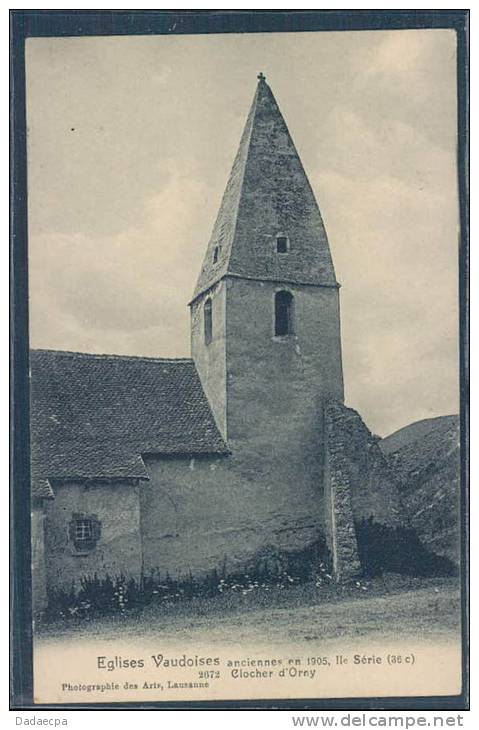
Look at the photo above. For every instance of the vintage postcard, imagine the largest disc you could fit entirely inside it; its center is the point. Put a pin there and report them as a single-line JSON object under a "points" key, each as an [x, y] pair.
{"points": [[244, 368]]}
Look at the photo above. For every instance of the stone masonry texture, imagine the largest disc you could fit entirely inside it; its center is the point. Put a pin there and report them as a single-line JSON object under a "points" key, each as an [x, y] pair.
{"points": [[374, 488], [359, 486]]}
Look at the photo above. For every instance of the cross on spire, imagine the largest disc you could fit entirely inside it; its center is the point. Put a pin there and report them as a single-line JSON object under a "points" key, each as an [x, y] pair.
{"points": [[261, 76]]}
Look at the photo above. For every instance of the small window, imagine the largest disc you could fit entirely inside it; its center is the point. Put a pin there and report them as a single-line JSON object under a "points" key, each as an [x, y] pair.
{"points": [[283, 313], [282, 244], [208, 317], [84, 532]]}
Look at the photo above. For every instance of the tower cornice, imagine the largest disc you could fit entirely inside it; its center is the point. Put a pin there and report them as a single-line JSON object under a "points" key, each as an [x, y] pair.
{"points": [[270, 280]]}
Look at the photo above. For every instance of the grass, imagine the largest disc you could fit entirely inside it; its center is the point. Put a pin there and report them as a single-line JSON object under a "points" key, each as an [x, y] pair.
{"points": [[391, 605]]}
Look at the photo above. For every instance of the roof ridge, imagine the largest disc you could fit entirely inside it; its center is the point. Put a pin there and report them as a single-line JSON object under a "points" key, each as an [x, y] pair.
{"points": [[243, 168], [105, 356], [231, 198]]}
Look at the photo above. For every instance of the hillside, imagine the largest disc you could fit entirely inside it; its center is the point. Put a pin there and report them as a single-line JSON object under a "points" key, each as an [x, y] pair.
{"points": [[418, 430], [425, 458]]}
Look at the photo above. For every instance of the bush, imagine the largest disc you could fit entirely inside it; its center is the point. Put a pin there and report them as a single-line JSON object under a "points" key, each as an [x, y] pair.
{"points": [[397, 550], [96, 596], [269, 568]]}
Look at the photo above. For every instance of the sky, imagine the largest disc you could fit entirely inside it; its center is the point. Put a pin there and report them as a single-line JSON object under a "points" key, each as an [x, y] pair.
{"points": [[130, 145]]}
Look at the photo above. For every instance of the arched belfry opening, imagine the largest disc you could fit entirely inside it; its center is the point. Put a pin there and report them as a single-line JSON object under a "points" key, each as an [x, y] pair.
{"points": [[283, 313], [208, 320]]}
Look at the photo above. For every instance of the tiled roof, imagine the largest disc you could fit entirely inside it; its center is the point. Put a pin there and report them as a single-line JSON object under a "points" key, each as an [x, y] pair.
{"points": [[41, 489], [268, 193], [93, 416]]}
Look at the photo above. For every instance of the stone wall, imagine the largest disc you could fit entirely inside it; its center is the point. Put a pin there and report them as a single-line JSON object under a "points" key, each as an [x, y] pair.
{"points": [[359, 486], [206, 513], [373, 486], [118, 550], [338, 509]]}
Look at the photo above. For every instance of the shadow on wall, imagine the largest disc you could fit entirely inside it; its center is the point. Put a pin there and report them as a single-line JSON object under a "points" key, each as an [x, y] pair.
{"points": [[384, 549]]}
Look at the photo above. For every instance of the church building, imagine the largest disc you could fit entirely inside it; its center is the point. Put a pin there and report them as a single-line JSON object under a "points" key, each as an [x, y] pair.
{"points": [[185, 465]]}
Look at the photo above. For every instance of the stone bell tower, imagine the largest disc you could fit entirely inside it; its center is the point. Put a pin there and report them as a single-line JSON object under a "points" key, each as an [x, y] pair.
{"points": [[265, 327]]}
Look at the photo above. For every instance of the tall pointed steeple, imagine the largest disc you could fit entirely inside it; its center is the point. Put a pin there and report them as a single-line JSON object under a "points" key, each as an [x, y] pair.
{"points": [[265, 327], [268, 199]]}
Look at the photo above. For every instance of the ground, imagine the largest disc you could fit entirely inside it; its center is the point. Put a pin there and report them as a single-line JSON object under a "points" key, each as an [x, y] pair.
{"points": [[391, 607]]}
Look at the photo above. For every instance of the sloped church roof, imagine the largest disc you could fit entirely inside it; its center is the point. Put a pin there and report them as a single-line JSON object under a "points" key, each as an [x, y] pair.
{"points": [[268, 194], [93, 416]]}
